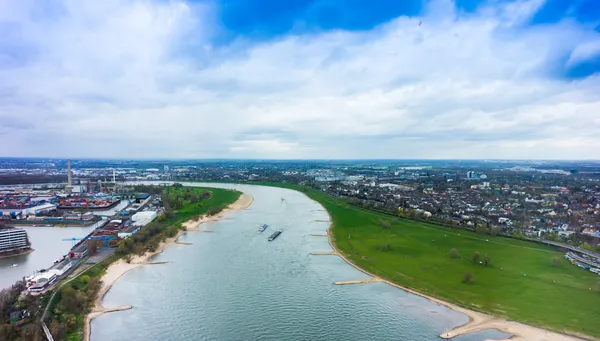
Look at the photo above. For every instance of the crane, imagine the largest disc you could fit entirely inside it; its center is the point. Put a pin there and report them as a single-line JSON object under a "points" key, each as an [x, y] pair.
{"points": [[105, 239]]}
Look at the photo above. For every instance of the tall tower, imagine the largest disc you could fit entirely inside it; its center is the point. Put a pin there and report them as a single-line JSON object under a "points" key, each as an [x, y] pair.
{"points": [[69, 187]]}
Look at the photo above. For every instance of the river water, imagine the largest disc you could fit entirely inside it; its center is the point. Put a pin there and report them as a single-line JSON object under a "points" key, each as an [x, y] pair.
{"points": [[235, 285], [48, 245]]}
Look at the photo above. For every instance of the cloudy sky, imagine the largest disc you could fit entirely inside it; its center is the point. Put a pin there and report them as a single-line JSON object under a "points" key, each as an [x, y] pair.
{"points": [[300, 79]]}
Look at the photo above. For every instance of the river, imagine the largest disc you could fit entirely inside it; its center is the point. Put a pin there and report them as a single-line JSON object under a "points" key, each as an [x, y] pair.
{"points": [[48, 245], [235, 285]]}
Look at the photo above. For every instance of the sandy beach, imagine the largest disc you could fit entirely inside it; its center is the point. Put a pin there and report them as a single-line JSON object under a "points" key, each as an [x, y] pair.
{"points": [[121, 267], [477, 321]]}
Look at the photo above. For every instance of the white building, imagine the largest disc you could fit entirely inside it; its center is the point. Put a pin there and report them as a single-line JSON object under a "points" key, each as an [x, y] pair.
{"points": [[143, 218], [13, 239], [40, 209]]}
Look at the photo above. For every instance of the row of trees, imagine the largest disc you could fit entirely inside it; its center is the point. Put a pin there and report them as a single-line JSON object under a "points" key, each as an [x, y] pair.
{"points": [[477, 259], [26, 311]]}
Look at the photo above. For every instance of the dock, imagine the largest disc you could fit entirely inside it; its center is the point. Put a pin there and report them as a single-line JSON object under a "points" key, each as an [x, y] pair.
{"points": [[318, 234]]}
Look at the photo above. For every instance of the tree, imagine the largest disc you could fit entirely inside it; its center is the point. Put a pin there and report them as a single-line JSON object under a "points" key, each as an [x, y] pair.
{"points": [[204, 195], [586, 246], [214, 210], [467, 277], [57, 330], [487, 260], [476, 257], [556, 261], [496, 230], [69, 321], [385, 224], [453, 253]]}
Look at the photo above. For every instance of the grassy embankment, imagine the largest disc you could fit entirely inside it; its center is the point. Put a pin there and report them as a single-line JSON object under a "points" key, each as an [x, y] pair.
{"points": [[70, 306], [521, 284]]}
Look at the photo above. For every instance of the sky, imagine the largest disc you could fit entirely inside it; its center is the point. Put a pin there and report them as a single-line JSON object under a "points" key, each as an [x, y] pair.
{"points": [[300, 79]]}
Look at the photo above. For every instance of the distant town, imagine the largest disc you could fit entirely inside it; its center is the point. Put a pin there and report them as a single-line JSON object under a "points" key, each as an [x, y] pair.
{"points": [[545, 200]]}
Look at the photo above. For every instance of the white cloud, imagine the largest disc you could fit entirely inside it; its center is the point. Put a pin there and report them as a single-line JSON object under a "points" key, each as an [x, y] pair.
{"points": [[142, 79]]}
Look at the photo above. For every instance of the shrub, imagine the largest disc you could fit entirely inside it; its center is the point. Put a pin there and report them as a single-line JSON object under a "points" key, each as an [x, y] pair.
{"points": [[476, 257], [556, 261], [487, 260], [468, 277], [453, 253], [385, 248], [385, 224]]}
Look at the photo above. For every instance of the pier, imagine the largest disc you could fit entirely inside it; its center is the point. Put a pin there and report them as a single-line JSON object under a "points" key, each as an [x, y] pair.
{"points": [[318, 234], [325, 253]]}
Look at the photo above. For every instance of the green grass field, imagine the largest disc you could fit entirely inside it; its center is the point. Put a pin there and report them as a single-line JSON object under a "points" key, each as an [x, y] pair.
{"points": [[521, 284]]}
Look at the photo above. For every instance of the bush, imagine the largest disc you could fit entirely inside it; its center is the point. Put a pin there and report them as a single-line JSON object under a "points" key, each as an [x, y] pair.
{"points": [[385, 248], [214, 211], [487, 260], [476, 257], [468, 277], [556, 261], [85, 279], [453, 253], [385, 224]]}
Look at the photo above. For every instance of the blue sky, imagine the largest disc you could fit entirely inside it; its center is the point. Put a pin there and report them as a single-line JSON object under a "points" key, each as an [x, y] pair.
{"points": [[300, 78]]}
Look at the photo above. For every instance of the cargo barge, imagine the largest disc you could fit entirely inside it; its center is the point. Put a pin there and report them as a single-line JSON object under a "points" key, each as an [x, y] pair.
{"points": [[275, 235]]}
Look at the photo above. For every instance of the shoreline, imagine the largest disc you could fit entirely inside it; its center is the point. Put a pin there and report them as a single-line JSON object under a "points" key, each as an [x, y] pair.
{"points": [[478, 321], [25, 252], [119, 268]]}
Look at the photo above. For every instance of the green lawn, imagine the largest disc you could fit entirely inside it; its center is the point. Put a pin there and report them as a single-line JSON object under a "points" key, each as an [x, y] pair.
{"points": [[521, 284]]}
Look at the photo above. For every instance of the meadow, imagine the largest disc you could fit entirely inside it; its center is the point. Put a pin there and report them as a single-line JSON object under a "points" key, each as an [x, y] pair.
{"points": [[524, 281]]}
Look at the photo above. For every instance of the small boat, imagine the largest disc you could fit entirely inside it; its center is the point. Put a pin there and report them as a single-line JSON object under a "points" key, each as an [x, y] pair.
{"points": [[263, 228], [275, 235], [15, 265]]}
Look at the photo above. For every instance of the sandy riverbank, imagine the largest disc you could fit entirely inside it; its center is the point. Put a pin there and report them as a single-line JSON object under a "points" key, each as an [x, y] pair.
{"points": [[477, 321], [121, 267]]}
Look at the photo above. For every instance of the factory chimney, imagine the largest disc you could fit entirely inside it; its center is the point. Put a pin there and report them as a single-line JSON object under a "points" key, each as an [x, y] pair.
{"points": [[69, 187]]}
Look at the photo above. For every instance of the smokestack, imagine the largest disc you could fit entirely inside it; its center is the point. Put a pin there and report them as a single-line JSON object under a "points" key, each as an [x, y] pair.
{"points": [[70, 183]]}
